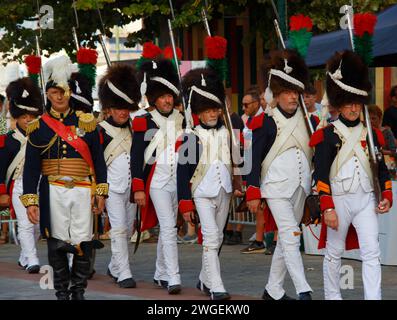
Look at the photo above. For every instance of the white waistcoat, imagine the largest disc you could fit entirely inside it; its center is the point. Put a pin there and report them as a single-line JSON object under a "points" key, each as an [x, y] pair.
{"points": [[117, 156], [213, 171], [286, 166], [351, 167], [170, 129]]}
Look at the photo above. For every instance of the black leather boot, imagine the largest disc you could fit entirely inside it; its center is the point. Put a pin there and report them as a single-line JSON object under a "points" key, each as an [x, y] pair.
{"points": [[81, 269], [58, 260]]}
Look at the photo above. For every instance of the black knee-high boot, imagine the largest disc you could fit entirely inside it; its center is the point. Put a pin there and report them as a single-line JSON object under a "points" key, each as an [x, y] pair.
{"points": [[81, 270], [58, 260]]}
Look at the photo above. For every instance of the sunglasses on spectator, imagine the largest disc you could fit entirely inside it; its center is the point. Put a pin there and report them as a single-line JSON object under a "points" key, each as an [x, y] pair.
{"points": [[246, 104]]}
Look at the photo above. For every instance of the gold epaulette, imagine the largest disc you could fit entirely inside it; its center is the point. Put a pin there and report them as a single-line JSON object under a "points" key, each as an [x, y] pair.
{"points": [[87, 122], [33, 126]]}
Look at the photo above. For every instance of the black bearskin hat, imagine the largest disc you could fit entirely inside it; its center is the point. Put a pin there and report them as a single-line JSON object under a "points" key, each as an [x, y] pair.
{"points": [[24, 97], [81, 97], [119, 80], [354, 73], [207, 80], [296, 69], [162, 70]]}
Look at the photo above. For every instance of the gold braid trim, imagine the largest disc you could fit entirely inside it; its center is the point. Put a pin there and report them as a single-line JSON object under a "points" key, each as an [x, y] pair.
{"points": [[102, 189], [87, 122], [29, 199], [33, 126]]}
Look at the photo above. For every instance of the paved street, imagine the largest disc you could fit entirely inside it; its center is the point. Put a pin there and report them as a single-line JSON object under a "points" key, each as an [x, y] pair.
{"points": [[244, 275]]}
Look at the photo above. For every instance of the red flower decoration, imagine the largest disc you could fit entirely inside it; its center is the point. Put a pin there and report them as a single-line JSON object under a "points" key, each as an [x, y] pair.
{"points": [[150, 50], [299, 22], [364, 22], [87, 56], [363, 144], [33, 63], [216, 47], [169, 54]]}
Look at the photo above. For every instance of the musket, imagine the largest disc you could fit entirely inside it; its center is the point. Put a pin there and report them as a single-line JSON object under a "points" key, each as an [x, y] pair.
{"points": [[281, 38], [374, 154], [138, 227], [38, 53], [75, 39], [100, 37], [187, 112]]}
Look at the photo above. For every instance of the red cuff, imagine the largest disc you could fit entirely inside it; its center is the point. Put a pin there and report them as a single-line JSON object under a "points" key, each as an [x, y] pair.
{"points": [[186, 206], [138, 185], [253, 193], [3, 188], [388, 194], [326, 202]]}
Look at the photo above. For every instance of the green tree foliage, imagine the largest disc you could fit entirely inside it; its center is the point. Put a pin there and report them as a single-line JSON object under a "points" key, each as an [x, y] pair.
{"points": [[324, 13]]}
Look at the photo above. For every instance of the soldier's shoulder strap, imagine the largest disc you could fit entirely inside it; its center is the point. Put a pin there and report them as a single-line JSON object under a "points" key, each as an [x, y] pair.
{"points": [[33, 126], [87, 121]]}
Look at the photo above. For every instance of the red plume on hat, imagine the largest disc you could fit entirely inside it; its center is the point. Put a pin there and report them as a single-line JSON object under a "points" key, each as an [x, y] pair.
{"points": [[87, 60], [168, 53], [149, 52], [300, 33], [33, 63], [364, 26], [216, 49]]}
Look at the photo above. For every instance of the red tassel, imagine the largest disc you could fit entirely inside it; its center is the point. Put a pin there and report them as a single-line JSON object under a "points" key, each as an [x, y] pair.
{"points": [[150, 50], [364, 22], [33, 63], [317, 137], [216, 47], [299, 22], [168, 53], [87, 56]]}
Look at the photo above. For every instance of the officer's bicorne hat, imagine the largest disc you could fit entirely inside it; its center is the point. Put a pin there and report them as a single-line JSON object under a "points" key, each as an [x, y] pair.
{"points": [[24, 98], [59, 71], [81, 93], [119, 89], [204, 90], [347, 79], [158, 77], [285, 70]]}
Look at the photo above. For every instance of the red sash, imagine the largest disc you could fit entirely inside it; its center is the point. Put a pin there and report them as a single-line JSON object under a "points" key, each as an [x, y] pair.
{"points": [[70, 138]]}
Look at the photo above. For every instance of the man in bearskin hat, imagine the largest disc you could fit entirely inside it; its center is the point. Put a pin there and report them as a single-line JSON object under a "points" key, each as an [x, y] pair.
{"points": [[204, 173], [81, 93], [280, 174], [64, 148], [154, 163], [345, 180], [25, 105], [119, 93]]}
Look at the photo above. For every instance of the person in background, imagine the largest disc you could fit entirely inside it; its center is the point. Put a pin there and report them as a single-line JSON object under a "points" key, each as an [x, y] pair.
{"points": [[375, 114], [390, 116], [309, 96]]}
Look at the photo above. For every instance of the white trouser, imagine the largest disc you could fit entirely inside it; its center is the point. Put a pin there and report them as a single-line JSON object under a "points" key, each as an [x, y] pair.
{"points": [[166, 205], [71, 215], [28, 233], [288, 214], [121, 215], [357, 209], [213, 214]]}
